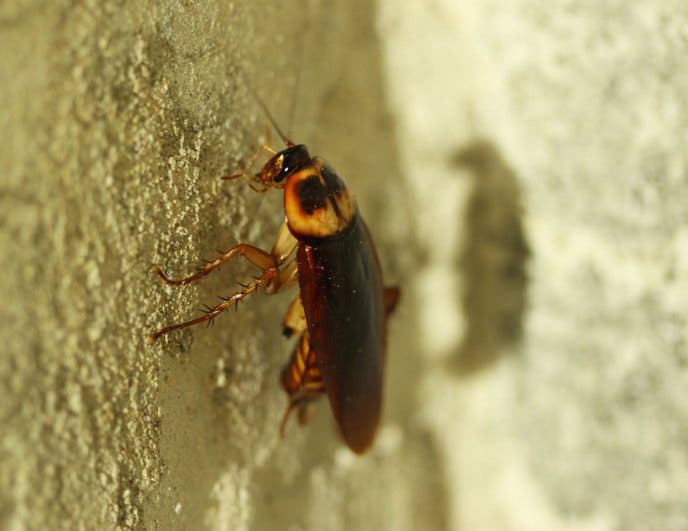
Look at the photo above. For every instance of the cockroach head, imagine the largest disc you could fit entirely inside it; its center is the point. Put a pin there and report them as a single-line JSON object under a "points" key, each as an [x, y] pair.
{"points": [[284, 163]]}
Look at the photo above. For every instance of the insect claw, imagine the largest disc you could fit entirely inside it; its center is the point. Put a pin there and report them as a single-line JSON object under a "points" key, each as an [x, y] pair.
{"points": [[158, 271]]}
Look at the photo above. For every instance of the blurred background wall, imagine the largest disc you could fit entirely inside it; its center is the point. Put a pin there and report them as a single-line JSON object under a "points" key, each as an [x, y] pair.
{"points": [[522, 167]]}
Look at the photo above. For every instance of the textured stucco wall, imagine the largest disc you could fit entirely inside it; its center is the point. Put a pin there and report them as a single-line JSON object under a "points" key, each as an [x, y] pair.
{"points": [[118, 119], [522, 166]]}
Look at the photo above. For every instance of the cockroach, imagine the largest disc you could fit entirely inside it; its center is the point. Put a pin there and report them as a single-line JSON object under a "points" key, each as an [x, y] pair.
{"points": [[342, 308]]}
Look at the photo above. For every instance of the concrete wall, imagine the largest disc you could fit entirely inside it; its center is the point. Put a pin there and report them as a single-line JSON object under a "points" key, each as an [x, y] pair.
{"points": [[522, 166]]}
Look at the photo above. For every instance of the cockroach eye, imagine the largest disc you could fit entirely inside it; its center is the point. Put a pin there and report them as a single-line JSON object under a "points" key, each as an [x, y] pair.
{"points": [[293, 158]]}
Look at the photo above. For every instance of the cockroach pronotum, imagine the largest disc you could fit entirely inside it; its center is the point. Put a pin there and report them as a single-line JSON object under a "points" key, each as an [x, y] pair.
{"points": [[342, 308]]}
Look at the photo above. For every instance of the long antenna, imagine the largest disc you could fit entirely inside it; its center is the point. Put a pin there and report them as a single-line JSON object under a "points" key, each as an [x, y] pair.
{"points": [[299, 66], [273, 122], [284, 137], [295, 97]]}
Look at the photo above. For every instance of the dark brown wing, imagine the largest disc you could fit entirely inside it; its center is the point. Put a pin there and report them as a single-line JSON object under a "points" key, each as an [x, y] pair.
{"points": [[343, 299]]}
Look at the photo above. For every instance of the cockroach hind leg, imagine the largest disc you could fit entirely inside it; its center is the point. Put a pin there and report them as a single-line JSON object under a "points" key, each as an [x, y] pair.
{"points": [[304, 408], [305, 412], [285, 417]]}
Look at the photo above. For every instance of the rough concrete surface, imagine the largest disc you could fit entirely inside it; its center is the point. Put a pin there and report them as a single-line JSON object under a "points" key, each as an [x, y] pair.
{"points": [[522, 166]]}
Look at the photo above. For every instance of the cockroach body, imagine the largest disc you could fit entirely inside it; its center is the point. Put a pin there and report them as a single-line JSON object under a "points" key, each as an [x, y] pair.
{"points": [[342, 308]]}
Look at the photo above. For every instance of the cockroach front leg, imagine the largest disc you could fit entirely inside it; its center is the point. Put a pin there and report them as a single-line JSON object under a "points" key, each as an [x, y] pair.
{"points": [[273, 278], [245, 172]]}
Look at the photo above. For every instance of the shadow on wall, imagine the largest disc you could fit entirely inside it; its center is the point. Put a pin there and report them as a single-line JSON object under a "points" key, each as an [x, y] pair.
{"points": [[493, 260]]}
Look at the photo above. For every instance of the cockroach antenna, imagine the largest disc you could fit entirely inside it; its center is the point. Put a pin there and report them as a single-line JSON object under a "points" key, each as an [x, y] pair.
{"points": [[287, 141], [299, 67]]}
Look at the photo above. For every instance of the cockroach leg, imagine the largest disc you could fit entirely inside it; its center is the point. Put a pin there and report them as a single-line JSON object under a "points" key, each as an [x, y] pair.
{"points": [[303, 403], [305, 410], [212, 312], [273, 278], [301, 380], [256, 256], [284, 246], [285, 243], [285, 416], [286, 278], [294, 321], [264, 146]]}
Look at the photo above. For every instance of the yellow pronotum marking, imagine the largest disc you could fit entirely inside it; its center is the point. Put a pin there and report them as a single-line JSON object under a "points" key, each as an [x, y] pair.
{"points": [[324, 221]]}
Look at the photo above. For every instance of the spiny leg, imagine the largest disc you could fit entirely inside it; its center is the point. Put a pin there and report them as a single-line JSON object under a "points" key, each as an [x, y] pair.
{"points": [[273, 279], [256, 256], [284, 246], [211, 313]]}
